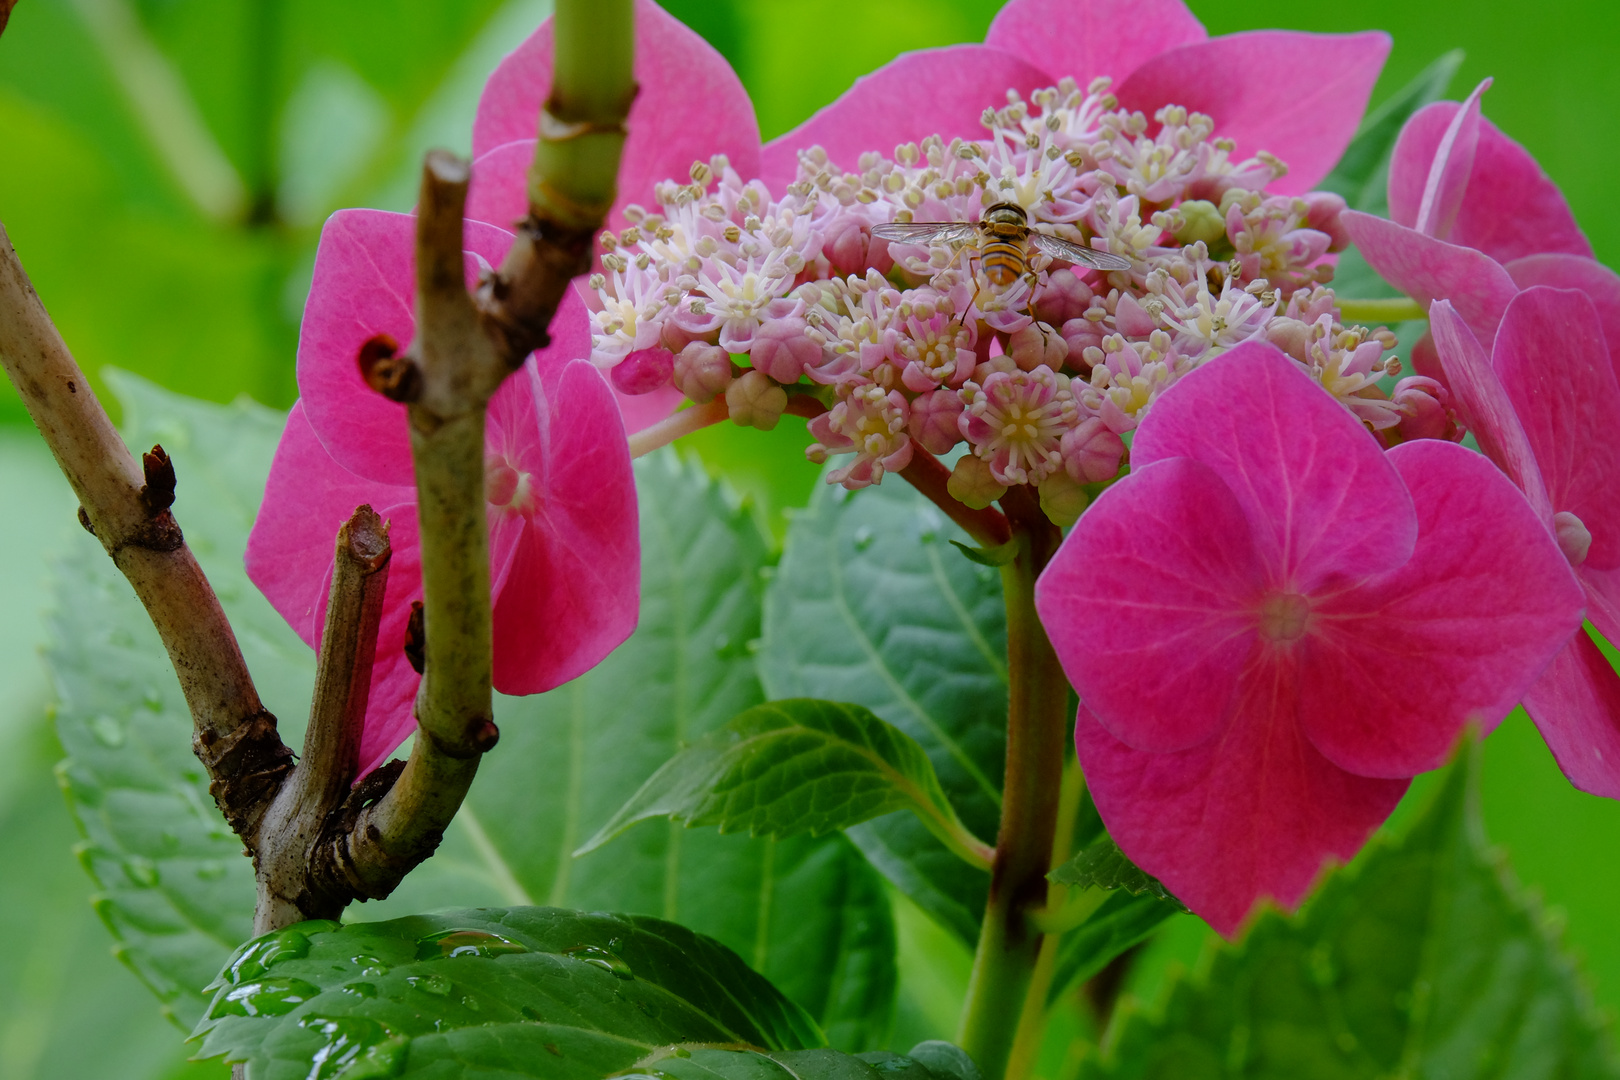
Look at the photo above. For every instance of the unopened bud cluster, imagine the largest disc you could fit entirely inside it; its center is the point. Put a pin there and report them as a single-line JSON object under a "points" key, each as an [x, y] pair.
{"points": [[910, 345]]}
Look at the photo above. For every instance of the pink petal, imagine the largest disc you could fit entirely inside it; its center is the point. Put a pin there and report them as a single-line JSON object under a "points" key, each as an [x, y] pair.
{"points": [[364, 285], [1555, 368], [1395, 668], [690, 106], [289, 557], [1451, 163], [1561, 271], [1150, 604], [1576, 707], [499, 192], [1300, 96], [1324, 504], [1251, 813], [933, 92], [641, 411], [1602, 599], [1427, 270], [572, 594], [1512, 209], [1485, 406], [1087, 38]]}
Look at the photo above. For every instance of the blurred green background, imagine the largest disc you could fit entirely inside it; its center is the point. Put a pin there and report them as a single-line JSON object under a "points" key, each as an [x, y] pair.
{"points": [[164, 169]]}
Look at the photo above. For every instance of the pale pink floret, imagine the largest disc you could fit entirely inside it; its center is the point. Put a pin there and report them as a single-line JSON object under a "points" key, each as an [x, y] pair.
{"points": [[1016, 420], [870, 424], [564, 547], [1272, 624], [1545, 406]]}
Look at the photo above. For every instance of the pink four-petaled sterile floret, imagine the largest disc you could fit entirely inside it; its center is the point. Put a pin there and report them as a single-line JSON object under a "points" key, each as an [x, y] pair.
{"points": [[564, 547], [1272, 624], [1545, 406], [1473, 220]]}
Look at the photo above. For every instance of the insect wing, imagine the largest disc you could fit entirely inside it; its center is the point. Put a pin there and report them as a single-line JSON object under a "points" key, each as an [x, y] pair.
{"points": [[928, 232], [1074, 253]]}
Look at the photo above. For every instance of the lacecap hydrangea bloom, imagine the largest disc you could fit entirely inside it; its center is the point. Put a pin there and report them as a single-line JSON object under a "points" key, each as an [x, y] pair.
{"points": [[1272, 623]]}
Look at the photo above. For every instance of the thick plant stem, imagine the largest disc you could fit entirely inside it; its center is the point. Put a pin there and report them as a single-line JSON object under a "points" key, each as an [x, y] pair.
{"points": [[1004, 965], [582, 132], [1381, 311], [930, 477]]}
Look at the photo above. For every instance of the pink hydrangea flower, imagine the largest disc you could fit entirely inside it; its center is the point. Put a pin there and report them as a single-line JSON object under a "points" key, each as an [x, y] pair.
{"points": [[1272, 624], [564, 548], [1545, 406], [1473, 219], [1299, 96]]}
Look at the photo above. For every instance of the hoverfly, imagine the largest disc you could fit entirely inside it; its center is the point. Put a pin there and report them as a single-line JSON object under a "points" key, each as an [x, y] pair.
{"points": [[1002, 239]]}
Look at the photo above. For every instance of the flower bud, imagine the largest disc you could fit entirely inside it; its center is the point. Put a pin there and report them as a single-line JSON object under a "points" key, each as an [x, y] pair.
{"points": [[755, 401], [1080, 335], [1200, 220], [1063, 499], [934, 420], [782, 349], [1322, 214], [1091, 453], [643, 371], [1574, 538], [702, 371], [972, 485], [1291, 336], [1424, 413], [1063, 297], [1037, 344]]}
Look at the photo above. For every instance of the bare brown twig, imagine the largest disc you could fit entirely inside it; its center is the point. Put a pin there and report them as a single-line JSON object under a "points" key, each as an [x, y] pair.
{"points": [[126, 507]]}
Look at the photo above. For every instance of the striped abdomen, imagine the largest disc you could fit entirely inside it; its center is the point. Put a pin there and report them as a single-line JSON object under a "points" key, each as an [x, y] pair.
{"points": [[1003, 260]]}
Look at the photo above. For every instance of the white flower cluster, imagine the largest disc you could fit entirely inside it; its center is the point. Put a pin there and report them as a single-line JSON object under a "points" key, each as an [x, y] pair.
{"points": [[909, 344]]}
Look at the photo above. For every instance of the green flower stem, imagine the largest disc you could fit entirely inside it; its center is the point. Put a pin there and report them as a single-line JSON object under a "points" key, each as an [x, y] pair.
{"points": [[576, 161], [1381, 312], [1004, 965]]}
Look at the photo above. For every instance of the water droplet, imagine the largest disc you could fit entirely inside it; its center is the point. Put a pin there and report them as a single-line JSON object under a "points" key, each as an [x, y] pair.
{"points": [[465, 943], [141, 871], [169, 840], [361, 989], [259, 956], [863, 538], [471, 1003], [722, 643], [369, 966], [107, 730], [437, 985], [603, 959], [153, 699], [212, 870], [682, 1052], [356, 1049], [272, 996]]}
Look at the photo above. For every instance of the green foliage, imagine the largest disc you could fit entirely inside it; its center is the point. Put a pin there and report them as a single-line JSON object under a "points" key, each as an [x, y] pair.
{"points": [[1425, 959], [796, 766], [871, 605], [173, 886], [539, 992], [1101, 865]]}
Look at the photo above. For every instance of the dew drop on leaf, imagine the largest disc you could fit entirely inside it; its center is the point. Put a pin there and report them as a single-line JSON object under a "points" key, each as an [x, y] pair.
{"points": [[141, 871], [272, 996], [437, 985], [257, 957], [211, 870], [107, 730], [360, 989], [448, 943], [863, 537], [356, 1048], [603, 959]]}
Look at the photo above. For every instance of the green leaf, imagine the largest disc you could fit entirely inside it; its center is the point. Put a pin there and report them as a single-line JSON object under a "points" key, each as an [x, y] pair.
{"points": [[1362, 174], [536, 992], [796, 766], [871, 605], [1101, 865], [1000, 555], [173, 887], [927, 1061], [1424, 959]]}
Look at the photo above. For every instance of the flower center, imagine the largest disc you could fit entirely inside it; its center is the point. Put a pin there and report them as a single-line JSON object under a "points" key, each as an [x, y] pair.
{"points": [[507, 487], [1574, 539], [1284, 617]]}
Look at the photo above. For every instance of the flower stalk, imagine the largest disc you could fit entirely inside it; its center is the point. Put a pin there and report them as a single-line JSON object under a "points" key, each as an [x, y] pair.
{"points": [[1005, 962], [1381, 311]]}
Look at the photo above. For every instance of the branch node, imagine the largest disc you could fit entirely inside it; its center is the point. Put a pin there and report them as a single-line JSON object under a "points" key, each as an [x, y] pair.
{"points": [[157, 494], [486, 736], [395, 377], [84, 521], [416, 639], [248, 764]]}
